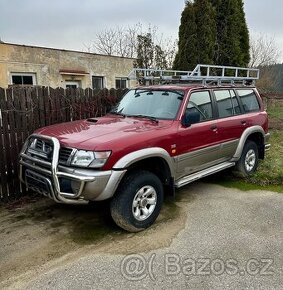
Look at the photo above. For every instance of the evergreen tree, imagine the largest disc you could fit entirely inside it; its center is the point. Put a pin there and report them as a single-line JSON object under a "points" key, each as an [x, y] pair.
{"points": [[228, 43], [150, 55], [206, 31], [243, 34], [160, 58], [145, 51], [232, 41], [186, 57], [213, 32]]}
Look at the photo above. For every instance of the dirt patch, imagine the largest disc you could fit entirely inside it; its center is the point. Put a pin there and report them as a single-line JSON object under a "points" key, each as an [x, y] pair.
{"points": [[44, 233]]}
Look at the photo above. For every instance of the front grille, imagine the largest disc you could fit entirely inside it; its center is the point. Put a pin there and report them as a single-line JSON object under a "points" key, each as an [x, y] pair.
{"points": [[42, 146], [43, 150], [64, 155]]}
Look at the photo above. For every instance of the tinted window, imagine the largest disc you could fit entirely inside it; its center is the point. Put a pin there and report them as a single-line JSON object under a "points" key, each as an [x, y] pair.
{"points": [[227, 103], [200, 102], [249, 100]]}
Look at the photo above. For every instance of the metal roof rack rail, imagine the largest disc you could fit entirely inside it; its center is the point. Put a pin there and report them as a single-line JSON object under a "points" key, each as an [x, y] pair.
{"points": [[204, 74]]}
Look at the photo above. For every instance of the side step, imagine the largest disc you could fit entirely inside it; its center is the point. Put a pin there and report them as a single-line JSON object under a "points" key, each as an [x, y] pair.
{"points": [[195, 176]]}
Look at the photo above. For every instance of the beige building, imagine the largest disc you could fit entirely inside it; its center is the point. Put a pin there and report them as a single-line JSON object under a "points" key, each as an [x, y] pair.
{"points": [[30, 65]]}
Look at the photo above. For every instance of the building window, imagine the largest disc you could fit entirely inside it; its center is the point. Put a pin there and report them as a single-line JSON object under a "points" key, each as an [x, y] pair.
{"points": [[23, 79], [97, 82], [73, 84], [121, 83]]}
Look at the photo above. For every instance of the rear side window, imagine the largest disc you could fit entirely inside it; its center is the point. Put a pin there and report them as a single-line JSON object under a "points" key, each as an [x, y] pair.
{"points": [[249, 100], [200, 103], [227, 103]]}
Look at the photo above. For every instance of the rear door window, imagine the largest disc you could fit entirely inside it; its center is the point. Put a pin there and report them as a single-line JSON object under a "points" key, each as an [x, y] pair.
{"points": [[227, 103], [249, 100]]}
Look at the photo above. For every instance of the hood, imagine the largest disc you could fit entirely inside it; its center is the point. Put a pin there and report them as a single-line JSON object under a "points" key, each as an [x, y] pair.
{"points": [[91, 134]]}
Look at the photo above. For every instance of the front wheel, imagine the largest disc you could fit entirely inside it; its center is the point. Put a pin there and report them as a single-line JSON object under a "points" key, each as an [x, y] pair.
{"points": [[248, 162], [138, 201]]}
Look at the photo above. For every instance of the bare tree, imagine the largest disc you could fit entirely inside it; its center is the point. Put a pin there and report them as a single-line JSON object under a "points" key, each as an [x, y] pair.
{"points": [[263, 51], [126, 42], [170, 50], [132, 35], [264, 54], [269, 80], [119, 41], [107, 41]]}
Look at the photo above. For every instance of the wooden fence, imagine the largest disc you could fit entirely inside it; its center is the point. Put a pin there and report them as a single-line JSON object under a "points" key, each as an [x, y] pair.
{"points": [[24, 109]]}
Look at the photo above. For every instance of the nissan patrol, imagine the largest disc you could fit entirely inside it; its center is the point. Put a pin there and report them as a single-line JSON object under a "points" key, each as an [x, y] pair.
{"points": [[156, 139]]}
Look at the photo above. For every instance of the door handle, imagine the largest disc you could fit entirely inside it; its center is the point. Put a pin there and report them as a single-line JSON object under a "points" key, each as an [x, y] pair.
{"points": [[213, 128]]}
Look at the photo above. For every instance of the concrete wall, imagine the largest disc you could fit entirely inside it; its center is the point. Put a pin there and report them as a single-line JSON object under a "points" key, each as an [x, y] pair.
{"points": [[46, 64]]}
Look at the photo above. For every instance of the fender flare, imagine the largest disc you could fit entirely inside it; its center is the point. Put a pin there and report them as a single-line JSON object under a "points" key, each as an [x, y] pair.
{"points": [[243, 139], [142, 154]]}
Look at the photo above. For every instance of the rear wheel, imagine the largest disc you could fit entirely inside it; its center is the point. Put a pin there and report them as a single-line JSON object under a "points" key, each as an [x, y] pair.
{"points": [[138, 201], [248, 162]]}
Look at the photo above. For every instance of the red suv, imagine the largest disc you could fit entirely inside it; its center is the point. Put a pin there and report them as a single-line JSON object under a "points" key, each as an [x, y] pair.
{"points": [[156, 139]]}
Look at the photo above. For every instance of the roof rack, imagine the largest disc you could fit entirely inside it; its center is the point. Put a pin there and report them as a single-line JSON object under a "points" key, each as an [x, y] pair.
{"points": [[204, 74]]}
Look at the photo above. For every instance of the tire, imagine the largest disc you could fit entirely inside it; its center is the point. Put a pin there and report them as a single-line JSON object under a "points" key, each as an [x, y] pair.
{"points": [[248, 162], [130, 207]]}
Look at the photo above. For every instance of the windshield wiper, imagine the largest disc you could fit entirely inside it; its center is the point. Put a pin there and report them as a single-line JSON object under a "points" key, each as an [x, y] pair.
{"points": [[153, 119], [138, 92], [117, 113], [180, 93]]}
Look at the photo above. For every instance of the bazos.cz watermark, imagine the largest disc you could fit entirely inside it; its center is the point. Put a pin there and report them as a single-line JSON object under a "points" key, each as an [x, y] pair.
{"points": [[137, 267]]}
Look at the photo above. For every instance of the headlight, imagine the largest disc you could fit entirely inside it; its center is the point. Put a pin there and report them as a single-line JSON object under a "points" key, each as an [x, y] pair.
{"points": [[91, 159]]}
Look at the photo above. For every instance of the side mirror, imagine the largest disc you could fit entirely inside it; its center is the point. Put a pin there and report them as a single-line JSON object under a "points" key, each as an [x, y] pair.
{"points": [[190, 118]]}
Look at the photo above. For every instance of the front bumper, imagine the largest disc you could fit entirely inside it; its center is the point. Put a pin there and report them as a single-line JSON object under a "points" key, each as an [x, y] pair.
{"points": [[65, 184]]}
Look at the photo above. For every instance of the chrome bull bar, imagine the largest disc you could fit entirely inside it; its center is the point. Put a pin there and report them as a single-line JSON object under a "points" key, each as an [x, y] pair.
{"points": [[53, 174]]}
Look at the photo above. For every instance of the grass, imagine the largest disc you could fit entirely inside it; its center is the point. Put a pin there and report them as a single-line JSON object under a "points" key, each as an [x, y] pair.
{"points": [[270, 171], [269, 175], [231, 181], [275, 110]]}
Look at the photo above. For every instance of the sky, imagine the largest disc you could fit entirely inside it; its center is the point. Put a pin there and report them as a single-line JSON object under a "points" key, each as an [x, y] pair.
{"points": [[73, 25]]}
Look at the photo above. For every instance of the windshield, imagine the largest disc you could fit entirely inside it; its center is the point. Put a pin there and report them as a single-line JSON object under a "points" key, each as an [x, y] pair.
{"points": [[159, 104]]}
